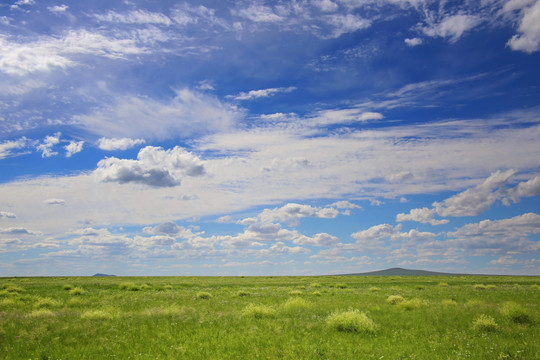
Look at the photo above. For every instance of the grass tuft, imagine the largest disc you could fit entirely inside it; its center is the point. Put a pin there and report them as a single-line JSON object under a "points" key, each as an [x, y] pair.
{"points": [[97, 314], [448, 302], [374, 289], [484, 323], [67, 287], [315, 285], [341, 286], [395, 299], [479, 287], [203, 295], [515, 313], [46, 302], [443, 284], [351, 321], [259, 311], [411, 304], [129, 286], [76, 291], [295, 292], [242, 293], [296, 303]]}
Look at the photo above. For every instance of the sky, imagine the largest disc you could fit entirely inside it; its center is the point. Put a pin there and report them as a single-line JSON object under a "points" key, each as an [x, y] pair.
{"points": [[301, 137]]}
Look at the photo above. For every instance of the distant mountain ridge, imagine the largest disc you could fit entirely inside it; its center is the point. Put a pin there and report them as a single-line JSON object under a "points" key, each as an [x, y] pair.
{"points": [[402, 272], [100, 274]]}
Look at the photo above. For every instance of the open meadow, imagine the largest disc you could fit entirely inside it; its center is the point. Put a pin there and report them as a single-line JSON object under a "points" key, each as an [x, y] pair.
{"points": [[327, 317]]}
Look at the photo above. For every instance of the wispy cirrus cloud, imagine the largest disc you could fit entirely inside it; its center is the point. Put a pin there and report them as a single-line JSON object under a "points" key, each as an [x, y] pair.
{"points": [[254, 94]]}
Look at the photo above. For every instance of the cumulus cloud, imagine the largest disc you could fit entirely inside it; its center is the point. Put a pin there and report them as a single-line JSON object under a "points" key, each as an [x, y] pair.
{"points": [[291, 213], [7, 215], [154, 167], [506, 236], [452, 27], [475, 200], [7, 148], [48, 53], [73, 147], [58, 9], [118, 144], [254, 94], [423, 215], [49, 142], [525, 189], [528, 39], [413, 42]]}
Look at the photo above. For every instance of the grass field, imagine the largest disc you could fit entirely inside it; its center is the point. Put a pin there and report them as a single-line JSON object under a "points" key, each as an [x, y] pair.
{"points": [[334, 317]]}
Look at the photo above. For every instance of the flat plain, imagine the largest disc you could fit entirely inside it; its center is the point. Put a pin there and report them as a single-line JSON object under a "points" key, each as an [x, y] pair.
{"points": [[323, 317]]}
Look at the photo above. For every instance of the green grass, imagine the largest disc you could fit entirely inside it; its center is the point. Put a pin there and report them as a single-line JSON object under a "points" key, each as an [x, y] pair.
{"points": [[335, 317]]}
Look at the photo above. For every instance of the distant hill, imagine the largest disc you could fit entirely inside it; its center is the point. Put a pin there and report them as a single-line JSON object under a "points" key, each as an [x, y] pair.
{"points": [[402, 272], [99, 274]]}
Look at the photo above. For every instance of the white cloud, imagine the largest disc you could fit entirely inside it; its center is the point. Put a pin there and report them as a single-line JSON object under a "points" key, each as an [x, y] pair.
{"points": [[344, 116], [55, 202], [7, 147], [452, 27], [343, 24], [187, 114], [529, 28], [291, 213], [477, 199], [254, 94], [525, 189], [345, 205], [413, 42], [154, 167], [325, 5], [423, 215], [49, 142], [259, 13], [7, 215], [118, 144], [135, 17], [48, 53], [73, 147], [506, 236], [58, 9]]}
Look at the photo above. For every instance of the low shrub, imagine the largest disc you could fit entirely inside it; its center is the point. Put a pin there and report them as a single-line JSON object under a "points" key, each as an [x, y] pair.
{"points": [[515, 313], [203, 295], [67, 287], [129, 286], [316, 293], [296, 303], [295, 292], [341, 286], [484, 323], [259, 311], [443, 284], [374, 289], [315, 285], [242, 293], [479, 287], [46, 302], [76, 291], [395, 299], [351, 321], [411, 304]]}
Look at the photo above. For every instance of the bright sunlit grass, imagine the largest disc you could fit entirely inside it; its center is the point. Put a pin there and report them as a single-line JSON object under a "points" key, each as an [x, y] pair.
{"points": [[257, 317]]}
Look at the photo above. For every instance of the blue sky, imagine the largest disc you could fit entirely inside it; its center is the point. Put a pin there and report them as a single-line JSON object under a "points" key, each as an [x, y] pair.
{"points": [[269, 137]]}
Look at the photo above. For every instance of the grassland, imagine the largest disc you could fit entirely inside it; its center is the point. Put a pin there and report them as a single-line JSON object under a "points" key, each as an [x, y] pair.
{"points": [[340, 317]]}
